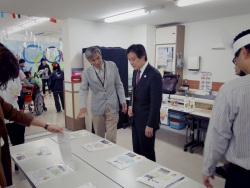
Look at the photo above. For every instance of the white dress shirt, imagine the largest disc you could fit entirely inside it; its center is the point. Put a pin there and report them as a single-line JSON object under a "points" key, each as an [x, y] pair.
{"points": [[229, 127], [143, 69], [100, 72]]}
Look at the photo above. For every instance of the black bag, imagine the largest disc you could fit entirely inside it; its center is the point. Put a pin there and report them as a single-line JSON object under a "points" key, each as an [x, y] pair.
{"points": [[169, 83]]}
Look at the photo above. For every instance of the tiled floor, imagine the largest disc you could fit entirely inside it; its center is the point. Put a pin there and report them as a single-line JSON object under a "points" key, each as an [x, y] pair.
{"points": [[50, 116], [168, 146]]}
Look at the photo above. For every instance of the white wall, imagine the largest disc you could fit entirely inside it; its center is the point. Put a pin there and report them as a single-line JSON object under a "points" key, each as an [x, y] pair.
{"points": [[150, 44], [138, 36], [78, 34], [145, 35], [201, 36]]}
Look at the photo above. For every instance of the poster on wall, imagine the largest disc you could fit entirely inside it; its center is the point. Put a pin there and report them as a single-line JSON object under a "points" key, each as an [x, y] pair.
{"points": [[206, 81], [32, 53], [165, 57]]}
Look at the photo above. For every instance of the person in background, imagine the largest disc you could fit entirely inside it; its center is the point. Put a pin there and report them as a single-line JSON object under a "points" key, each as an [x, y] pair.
{"points": [[104, 81], [229, 126], [45, 74], [147, 99], [56, 86], [223, 170], [23, 79], [22, 64], [32, 80], [10, 70]]}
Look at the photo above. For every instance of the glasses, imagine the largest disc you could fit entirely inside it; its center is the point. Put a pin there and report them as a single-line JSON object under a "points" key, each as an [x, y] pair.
{"points": [[236, 55], [234, 60]]}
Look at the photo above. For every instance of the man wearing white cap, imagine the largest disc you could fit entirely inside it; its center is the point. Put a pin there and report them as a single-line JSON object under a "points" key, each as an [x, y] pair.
{"points": [[229, 128]]}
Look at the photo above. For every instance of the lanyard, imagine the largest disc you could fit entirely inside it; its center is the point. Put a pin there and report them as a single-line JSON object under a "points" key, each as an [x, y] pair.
{"points": [[104, 74]]}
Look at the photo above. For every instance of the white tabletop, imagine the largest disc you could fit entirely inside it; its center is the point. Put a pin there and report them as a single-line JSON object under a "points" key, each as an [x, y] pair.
{"points": [[126, 177], [180, 108], [202, 112], [82, 175], [196, 111]]}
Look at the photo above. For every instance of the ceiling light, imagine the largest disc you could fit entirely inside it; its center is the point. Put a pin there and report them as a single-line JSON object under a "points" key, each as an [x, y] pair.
{"points": [[30, 24], [126, 15], [26, 25], [182, 3], [40, 20]]}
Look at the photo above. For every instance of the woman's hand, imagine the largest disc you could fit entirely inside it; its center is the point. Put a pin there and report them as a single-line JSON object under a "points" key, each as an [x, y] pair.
{"points": [[55, 129]]}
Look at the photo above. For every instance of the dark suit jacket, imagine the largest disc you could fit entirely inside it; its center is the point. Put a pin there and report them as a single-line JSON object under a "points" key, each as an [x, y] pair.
{"points": [[147, 99]]}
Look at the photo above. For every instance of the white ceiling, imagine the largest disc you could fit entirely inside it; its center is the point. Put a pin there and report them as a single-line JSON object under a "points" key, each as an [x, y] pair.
{"points": [[96, 10]]}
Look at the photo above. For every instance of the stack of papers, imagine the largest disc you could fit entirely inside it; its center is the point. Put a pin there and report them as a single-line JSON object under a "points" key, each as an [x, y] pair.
{"points": [[79, 134], [99, 145], [125, 160], [162, 177], [31, 154], [49, 173], [87, 185]]}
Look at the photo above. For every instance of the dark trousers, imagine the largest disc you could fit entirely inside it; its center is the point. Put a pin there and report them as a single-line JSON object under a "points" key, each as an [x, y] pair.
{"points": [[56, 96], [16, 133], [143, 145], [237, 177], [44, 81], [20, 101]]}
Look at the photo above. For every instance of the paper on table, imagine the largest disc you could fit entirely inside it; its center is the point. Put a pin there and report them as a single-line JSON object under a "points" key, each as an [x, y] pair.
{"points": [[46, 174], [99, 145], [31, 154], [65, 148], [125, 160], [162, 177], [79, 134], [88, 185]]}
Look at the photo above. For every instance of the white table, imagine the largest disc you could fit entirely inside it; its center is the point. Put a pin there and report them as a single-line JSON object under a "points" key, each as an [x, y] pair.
{"points": [[202, 113], [127, 177], [82, 175]]}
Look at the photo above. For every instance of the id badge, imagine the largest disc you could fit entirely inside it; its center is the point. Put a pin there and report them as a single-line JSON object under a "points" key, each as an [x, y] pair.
{"points": [[15, 92]]}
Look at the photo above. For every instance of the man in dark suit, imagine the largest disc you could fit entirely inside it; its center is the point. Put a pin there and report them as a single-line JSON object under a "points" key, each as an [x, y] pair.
{"points": [[145, 101]]}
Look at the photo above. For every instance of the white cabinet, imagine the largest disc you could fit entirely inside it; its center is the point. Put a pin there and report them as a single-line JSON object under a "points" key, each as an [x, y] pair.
{"points": [[166, 35], [169, 41]]}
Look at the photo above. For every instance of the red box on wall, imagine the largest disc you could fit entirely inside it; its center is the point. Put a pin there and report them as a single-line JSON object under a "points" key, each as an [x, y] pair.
{"points": [[76, 78]]}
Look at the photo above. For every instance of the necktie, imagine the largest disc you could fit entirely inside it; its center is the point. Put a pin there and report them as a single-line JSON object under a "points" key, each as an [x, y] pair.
{"points": [[138, 76]]}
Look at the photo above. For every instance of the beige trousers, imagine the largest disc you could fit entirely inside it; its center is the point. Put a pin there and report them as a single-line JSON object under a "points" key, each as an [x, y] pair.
{"points": [[108, 121]]}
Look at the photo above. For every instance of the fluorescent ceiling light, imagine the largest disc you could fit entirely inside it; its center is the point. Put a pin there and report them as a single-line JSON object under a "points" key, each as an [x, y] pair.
{"points": [[27, 25], [40, 20], [126, 15], [30, 24], [182, 3]]}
